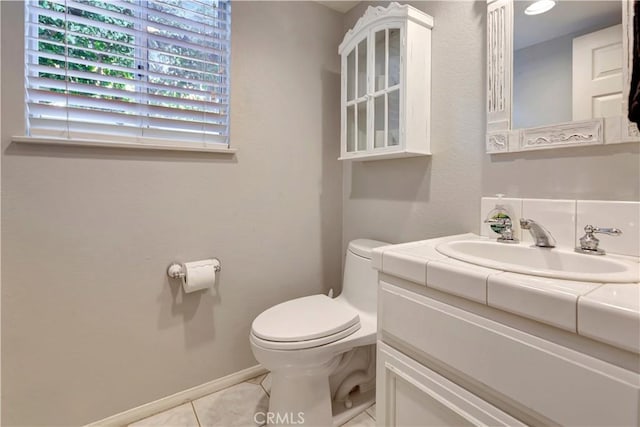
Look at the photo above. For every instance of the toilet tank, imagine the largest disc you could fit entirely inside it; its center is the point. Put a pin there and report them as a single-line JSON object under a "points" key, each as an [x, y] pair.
{"points": [[360, 281]]}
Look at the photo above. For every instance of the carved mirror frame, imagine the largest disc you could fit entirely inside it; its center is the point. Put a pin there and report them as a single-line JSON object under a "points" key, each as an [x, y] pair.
{"points": [[501, 138]]}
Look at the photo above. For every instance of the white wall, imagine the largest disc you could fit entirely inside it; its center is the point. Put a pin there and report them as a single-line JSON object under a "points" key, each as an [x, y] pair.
{"points": [[418, 198], [90, 325]]}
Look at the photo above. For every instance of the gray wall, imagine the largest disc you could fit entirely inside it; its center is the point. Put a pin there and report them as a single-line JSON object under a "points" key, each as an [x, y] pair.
{"points": [[90, 324], [414, 199], [411, 199], [542, 83]]}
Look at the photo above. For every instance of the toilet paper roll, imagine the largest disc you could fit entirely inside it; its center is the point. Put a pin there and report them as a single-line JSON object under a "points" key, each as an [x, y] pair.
{"points": [[199, 275]]}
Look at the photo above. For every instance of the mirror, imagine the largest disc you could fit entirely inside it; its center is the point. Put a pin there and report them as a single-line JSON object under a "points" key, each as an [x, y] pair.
{"points": [[559, 78], [567, 63]]}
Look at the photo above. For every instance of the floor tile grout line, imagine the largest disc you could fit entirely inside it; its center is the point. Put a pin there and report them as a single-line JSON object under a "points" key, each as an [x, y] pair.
{"points": [[193, 407], [265, 390], [368, 413]]}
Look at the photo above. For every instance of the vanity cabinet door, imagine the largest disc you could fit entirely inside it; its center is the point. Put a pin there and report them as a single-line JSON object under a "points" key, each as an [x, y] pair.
{"points": [[409, 394]]}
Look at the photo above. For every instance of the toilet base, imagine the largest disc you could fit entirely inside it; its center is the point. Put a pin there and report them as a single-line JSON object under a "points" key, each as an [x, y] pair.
{"points": [[361, 401], [321, 389], [308, 404], [302, 397]]}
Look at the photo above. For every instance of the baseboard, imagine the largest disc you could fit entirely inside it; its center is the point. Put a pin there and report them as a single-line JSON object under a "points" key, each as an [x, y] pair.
{"points": [[151, 408]]}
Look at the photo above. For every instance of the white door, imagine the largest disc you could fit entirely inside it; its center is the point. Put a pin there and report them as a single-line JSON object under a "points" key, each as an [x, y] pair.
{"points": [[597, 74]]}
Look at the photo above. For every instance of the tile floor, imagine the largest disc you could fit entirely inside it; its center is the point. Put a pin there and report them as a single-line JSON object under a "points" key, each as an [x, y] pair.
{"points": [[232, 407]]}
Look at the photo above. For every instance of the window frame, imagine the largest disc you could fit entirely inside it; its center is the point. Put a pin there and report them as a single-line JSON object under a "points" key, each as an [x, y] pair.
{"points": [[78, 138]]}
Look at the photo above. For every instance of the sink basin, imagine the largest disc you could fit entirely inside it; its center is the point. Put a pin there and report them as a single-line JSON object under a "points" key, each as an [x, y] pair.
{"points": [[545, 262]]}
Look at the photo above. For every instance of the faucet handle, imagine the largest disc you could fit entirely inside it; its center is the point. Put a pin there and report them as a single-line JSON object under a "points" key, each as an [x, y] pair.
{"points": [[589, 243], [608, 231]]}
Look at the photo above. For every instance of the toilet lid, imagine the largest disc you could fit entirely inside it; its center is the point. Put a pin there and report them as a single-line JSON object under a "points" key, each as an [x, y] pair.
{"points": [[305, 319], [301, 345]]}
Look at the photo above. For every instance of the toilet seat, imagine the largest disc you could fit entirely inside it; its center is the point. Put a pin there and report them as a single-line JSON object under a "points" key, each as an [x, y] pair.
{"points": [[304, 323]]}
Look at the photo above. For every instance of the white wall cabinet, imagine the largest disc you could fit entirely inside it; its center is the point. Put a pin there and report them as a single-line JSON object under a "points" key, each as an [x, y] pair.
{"points": [[386, 84]]}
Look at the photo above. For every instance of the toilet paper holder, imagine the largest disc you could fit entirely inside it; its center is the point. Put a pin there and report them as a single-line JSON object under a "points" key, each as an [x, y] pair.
{"points": [[176, 270]]}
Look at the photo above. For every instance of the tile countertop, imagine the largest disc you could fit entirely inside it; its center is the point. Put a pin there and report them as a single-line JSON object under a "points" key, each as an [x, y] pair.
{"points": [[607, 312]]}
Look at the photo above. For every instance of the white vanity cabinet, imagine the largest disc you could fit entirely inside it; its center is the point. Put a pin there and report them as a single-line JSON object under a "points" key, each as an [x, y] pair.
{"points": [[444, 361], [386, 84]]}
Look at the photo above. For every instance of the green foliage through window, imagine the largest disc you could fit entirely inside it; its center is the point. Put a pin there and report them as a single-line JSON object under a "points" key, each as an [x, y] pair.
{"points": [[165, 55]]}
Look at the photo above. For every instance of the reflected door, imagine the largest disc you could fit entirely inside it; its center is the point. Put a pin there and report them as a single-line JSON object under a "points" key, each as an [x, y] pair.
{"points": [[597, 74]]}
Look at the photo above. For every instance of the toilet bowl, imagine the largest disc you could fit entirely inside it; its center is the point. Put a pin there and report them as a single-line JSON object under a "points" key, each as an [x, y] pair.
{"points": [[320, 349]]}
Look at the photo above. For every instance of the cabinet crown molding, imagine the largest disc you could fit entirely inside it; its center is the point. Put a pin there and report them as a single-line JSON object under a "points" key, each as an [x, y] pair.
{"points": [[375, 14]]}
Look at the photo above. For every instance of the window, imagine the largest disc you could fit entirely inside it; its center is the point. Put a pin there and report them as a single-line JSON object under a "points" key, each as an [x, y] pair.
{"points": [[128, 70]]}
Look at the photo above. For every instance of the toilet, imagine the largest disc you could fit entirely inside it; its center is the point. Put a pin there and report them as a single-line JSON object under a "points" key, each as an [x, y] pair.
{"points": [[321, 350]]}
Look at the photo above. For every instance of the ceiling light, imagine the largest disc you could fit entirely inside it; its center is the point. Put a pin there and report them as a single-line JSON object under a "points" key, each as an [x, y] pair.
{"points": [[540, 6]]}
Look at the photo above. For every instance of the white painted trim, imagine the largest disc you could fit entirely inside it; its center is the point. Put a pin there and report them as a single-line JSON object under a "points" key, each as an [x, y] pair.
{"points": [[585, 132], [80, 142], [497, 142], [373, 15], [499, 89], [168, 402], [388, 154], [0, 216], [499, 65]]}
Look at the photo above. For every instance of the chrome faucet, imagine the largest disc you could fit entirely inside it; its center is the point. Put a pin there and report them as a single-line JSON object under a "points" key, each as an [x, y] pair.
{"points": [[541, 235]]}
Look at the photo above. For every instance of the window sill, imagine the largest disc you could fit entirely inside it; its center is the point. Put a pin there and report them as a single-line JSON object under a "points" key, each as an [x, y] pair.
{"points": [[78, 142]]}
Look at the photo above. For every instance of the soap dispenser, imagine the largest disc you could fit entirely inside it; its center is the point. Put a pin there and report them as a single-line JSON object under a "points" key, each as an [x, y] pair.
{"points": [[499, 212]]}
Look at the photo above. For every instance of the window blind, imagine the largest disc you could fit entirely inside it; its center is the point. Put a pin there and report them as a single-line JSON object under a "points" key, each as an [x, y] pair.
{"points": [[128, 70]]}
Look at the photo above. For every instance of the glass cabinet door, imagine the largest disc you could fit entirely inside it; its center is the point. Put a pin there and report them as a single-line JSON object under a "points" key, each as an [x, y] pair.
{"points": [[357, 98], [362, 68], [386, 87], [351, 128], [394, 56], [380, 60], [393, 117], [351, 75], [379, 121], [362, 125]]}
